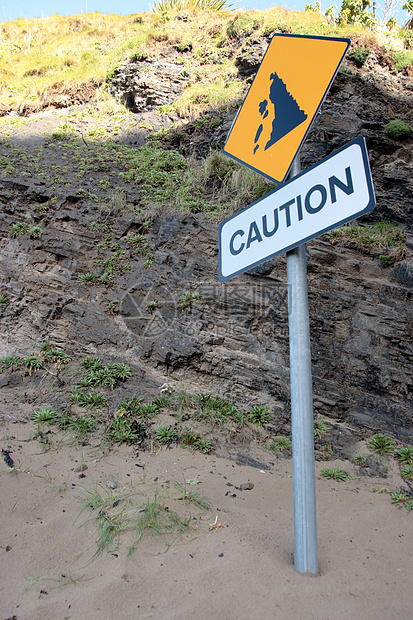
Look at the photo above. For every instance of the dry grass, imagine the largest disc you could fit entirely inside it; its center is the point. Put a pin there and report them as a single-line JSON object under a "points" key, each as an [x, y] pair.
{"points": [[45, 61], [38, 54]]}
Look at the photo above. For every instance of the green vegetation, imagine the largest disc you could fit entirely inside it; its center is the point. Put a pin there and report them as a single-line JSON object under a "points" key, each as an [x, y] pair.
{"points": [[399, 130], [130, 420], [158, 173], [111, 267], [400, 499], [83, 52], [166, 434], [126, 430], [91, 400], [23, 228], [355, 12], [402, 59], [404, 455], [351, 12], [4, 299], [335, 474], [407, 37], [192, 496], [259, 415], [152, 305], [407, 472], [214, 409], [113, 307], [32, 363], [359, 459], [164, 6], [320, 427], [50, 353], [165, 178], [280, 443], [139, 243], [382, 235], [109, 375], [134, 406], [45, 416], [193, 439], [135, 509], [14, 362], [187, 299], [78, 425], [41, 59], [326, 452], [381, 444], [359, 55]]}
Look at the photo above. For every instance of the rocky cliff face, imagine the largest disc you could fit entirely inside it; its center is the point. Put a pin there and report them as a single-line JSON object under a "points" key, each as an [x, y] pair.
{"points": [[228, 339]]}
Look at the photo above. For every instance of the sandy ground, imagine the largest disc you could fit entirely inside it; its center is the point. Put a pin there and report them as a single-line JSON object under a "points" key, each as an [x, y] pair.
{"points": [[242, 570]]}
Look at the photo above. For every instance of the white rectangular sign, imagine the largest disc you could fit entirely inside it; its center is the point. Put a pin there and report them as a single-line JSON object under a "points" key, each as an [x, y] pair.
{"points": [[334, 191]]}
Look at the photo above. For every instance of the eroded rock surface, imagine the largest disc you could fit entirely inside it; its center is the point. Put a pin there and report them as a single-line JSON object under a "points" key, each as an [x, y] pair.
{"points": [[145, 85], [233, 340]]}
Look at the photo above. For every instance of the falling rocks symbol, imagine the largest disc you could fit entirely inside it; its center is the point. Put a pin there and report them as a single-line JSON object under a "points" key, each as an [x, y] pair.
{"points": [[287, 91], [287, 114]]}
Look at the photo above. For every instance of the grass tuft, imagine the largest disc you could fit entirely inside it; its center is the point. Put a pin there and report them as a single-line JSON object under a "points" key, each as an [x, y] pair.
{"points": [[280, 443], [259, 415], [132, 510], [335, 474], [381, 444]]}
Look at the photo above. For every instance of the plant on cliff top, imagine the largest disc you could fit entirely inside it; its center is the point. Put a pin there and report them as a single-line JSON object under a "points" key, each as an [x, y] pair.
{"points": [[402, 59], [73, 56], [164, 6], [359, 55], [354, 12]]}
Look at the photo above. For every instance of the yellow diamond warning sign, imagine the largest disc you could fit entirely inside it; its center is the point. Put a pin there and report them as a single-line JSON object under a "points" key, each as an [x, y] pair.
{"points": [[288, 89]]}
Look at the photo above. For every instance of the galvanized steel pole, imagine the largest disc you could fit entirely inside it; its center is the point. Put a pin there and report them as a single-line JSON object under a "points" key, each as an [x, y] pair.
{"points": [[305, 521]]}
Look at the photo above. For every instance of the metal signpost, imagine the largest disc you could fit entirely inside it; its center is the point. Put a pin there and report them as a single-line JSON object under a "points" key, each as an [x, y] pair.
{"points": [[294, 77], [302, 426]]}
